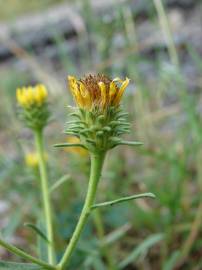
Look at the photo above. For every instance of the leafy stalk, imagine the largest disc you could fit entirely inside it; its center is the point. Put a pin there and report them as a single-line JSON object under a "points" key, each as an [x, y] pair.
{"points": [[95, 173]]}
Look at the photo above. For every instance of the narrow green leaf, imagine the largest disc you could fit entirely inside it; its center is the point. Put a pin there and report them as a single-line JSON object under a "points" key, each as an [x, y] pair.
{"points": [[123, 199], [19, 266], [74, 122], [141, 249], [67, 132], [75, 115], [59, 182], [37, 230], [42, 246], [172, 260], [115, 235], [13, 223], [98, 264], [130, 143], [95, 262], [69, 145]]}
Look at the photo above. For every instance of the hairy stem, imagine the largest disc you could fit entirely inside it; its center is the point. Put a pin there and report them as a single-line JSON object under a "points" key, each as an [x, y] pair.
{"points": [[95, 173], [45, 195]]}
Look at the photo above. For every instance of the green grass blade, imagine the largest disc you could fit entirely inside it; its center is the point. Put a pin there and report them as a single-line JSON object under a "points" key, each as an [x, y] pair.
{"points": [[59, 182], [170, 263], [141, 249]]}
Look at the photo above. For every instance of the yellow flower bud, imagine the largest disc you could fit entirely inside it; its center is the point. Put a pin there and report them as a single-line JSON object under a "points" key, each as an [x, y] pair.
{"points": [[31, 96], [40, 94], [20, 97], [34, 108], [31, 160]]}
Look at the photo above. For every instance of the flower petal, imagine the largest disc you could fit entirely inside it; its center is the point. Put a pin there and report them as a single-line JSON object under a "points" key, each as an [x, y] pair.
{"points": [[85, 95], [121, 91], [112, 91], [102, 87]]}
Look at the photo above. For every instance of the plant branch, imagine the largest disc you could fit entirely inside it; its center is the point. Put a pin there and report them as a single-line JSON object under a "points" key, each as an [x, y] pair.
{"points": [[123, 199], [25, 255]]}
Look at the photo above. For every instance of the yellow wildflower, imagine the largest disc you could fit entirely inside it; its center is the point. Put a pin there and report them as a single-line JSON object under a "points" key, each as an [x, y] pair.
{"points": [[28, 96], [97, 91], [31, 160]]}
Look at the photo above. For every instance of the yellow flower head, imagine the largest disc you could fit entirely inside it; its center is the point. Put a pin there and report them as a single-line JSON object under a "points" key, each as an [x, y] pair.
{"points": [[97, 91], [31, 160], [29, 96], [76, 150]]}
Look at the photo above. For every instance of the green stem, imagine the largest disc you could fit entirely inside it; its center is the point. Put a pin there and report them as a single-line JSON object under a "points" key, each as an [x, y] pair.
{"points": [[25, 255], [45, 195], [95, 173]]}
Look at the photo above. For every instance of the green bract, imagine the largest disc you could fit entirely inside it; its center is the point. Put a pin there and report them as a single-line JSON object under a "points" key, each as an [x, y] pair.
{"points": [[35, 117], [98, 131]]}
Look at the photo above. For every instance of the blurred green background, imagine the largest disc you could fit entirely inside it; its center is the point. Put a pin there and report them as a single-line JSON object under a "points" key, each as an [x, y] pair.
{"points": [[157, 44]]}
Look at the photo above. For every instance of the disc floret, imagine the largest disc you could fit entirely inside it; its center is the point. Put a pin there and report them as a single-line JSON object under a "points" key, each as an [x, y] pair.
{"points": [[97, 91]]}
